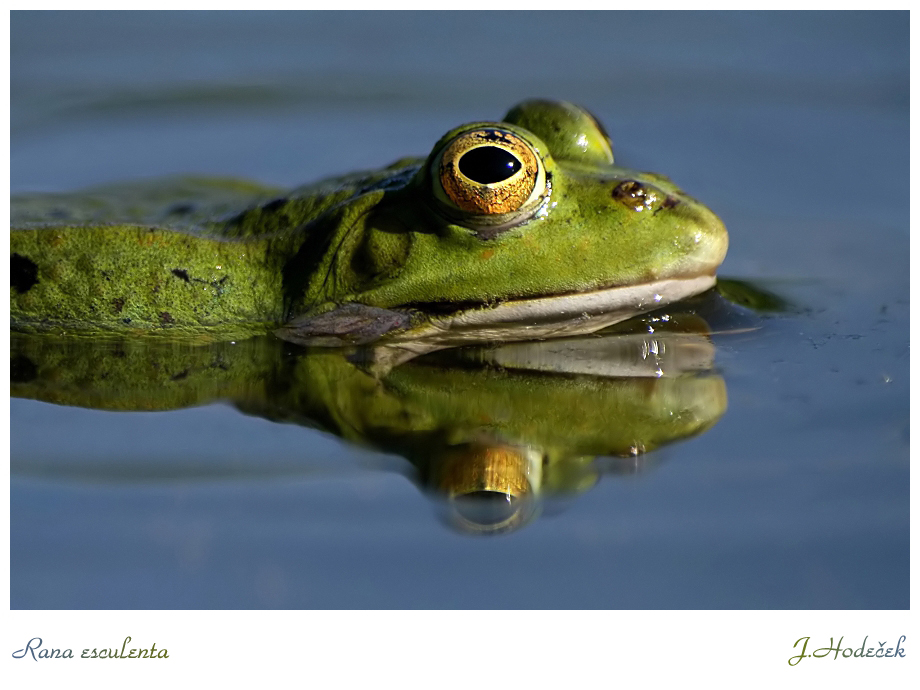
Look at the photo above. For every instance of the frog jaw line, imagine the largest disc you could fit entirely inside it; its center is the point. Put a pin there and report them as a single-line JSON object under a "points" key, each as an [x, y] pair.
{"points": [[560, 315]]}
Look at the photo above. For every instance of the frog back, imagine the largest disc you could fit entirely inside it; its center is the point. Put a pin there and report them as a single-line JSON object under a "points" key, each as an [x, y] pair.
{"points": [[212, 206]]}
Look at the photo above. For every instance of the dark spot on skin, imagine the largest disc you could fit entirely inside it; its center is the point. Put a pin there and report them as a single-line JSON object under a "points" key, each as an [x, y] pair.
{"points": [[181, 375], [22, 369], [669, 202], [23, 273], [118, 304], [216, 284], [180, 209], [274, 205], [166, 318]]}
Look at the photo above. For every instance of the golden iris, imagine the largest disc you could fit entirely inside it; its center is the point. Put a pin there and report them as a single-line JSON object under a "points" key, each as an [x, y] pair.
{"points": [[488, 171]]}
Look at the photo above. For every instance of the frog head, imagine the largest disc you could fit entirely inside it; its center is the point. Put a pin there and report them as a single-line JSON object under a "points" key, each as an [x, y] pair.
{"points": [[515, 229]]}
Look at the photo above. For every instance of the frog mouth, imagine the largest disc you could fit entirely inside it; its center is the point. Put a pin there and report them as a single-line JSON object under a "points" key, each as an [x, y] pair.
{"points": [[413, 329], [553, 315]]}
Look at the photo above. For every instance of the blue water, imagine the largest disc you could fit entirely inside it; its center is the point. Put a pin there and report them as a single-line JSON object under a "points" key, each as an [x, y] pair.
{"points": [[794, 128]]}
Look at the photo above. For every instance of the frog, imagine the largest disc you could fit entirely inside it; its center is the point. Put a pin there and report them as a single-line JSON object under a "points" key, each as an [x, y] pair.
{"points": [[518, 229]]}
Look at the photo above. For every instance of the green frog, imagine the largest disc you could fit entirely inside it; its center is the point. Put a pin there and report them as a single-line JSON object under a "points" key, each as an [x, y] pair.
{"points": [[511, 230]]}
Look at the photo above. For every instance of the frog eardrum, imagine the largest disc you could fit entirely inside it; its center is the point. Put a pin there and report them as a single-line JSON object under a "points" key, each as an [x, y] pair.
{"points": [[491, 174]]}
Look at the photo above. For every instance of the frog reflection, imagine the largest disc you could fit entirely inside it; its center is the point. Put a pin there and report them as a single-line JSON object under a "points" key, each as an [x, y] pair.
{"points": [[492, 488], [491, 431]]}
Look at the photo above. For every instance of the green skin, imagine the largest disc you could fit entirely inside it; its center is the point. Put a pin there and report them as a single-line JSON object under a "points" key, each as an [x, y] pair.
{"points": [[181, 259]]}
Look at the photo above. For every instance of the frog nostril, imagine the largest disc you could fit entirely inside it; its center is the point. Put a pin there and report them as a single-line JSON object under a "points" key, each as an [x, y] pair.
{"points": [[23, 273], [628, 189], [634, 195]]}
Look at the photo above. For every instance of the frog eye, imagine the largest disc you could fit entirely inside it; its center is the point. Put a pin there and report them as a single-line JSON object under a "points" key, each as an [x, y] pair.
{"points": [[489, 171]]}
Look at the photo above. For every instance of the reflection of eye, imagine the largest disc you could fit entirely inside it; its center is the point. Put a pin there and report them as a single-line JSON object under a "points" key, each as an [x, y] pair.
{"points": [[489, 172], [487, 509]]}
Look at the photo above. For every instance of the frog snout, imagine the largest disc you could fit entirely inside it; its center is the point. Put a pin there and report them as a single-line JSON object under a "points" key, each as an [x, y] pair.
{"points": [[705, 237], [699, 231]]}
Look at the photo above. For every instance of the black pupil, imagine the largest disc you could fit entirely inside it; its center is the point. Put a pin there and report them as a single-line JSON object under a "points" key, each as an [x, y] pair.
{"points": [[488, 164]]}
